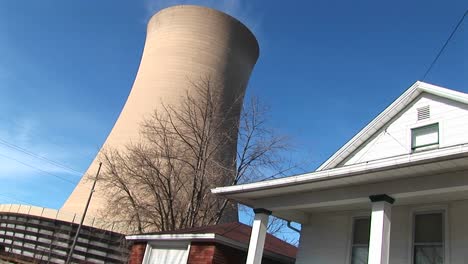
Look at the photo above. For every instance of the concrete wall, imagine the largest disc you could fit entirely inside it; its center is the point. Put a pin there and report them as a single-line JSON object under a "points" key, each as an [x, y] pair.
{"points": [[45, 239], [396, 138], [327, 238]]}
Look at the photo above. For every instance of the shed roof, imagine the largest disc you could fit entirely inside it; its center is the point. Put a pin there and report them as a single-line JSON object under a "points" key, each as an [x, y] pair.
{"points": [[235, 231]]}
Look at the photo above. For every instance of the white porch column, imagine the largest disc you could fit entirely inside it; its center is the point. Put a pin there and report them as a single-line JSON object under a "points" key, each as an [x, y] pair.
{"points": [[257, 237], [379, 243]]}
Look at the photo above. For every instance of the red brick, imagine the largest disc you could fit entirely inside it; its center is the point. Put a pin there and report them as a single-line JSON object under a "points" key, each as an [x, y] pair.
{"points": [[137, 253], [201, 253]]}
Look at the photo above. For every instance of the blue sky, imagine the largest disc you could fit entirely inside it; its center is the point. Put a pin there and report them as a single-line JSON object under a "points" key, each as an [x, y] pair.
{"points": [[326, 69]]}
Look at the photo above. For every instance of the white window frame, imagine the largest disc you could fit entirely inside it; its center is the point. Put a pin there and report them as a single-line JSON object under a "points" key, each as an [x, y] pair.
{"points": [[427, 210], [177, 244], [364, 215], [422, 123], [427, 146]]}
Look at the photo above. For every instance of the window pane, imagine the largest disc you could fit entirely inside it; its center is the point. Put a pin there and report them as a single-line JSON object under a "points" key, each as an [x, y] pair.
{"points": [[428, 228], [426, 135], [361, 231], [428, 255], [360, 255]]}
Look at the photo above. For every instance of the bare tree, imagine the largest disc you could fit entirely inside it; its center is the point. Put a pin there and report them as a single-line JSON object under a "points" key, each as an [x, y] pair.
{"points": [[163, 182]]}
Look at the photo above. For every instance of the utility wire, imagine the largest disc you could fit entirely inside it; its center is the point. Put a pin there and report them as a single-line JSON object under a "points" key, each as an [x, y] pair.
{"points": [[38, 169], [397, 141], [445, 45], [29, 153], [32, 133]]}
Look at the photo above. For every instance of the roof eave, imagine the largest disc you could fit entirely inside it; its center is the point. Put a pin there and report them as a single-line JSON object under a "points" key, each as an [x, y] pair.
{"points": [[332, 174]]}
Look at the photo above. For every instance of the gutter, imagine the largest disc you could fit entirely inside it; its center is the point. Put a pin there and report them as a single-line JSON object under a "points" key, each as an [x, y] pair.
{"points": [[292, 227], [406, 160]]}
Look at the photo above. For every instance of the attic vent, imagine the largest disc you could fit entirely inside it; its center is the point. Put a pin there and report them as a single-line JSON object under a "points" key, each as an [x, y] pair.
{"points": [[424, 112]]}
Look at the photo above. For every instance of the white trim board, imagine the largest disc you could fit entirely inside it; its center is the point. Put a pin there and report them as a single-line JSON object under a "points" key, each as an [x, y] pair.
{"points": [[430, 156], [188, 237]]}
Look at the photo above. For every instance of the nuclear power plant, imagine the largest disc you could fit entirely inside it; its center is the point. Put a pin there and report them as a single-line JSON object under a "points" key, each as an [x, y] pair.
{"points": [[183, 44]]}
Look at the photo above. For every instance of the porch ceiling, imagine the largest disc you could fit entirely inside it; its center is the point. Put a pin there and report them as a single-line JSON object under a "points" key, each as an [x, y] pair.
{"points": [[421, 199], [434, 188]]}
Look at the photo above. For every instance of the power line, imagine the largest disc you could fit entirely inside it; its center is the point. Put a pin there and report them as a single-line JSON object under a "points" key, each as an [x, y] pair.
{"points": [[38, 169], [30, 132], [445, 45], [18, 200], [29, 153]]}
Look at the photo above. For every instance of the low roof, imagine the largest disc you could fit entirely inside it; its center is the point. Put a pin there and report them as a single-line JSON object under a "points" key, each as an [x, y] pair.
{"points": [[234, 234]]}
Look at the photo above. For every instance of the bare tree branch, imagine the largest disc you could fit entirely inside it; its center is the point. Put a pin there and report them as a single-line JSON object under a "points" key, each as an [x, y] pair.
{"points": [[163, 183]]}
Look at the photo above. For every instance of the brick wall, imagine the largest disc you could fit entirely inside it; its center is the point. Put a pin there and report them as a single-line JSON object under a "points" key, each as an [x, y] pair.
{"points": [[214, 253], [137, 252], [229, 255], [201, 253]]}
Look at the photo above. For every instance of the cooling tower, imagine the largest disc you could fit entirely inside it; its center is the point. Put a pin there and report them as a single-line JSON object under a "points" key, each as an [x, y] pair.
{"points": [[183, 44]]}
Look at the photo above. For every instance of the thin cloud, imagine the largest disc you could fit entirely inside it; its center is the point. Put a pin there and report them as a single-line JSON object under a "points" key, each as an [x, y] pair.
{"points": [[25, 125], [241, 10], [21, 152]]}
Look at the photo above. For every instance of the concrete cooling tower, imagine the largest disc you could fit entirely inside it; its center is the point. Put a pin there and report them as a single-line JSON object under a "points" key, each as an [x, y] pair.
{"points": [[183, 43]]}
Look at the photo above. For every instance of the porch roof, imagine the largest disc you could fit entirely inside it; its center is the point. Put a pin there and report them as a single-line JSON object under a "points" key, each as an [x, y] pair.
{"points": [[432, 162]]}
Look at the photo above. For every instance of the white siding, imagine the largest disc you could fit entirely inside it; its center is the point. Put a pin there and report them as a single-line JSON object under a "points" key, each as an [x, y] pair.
{"points": [[326, 239], [395, 138], [458, 230]]}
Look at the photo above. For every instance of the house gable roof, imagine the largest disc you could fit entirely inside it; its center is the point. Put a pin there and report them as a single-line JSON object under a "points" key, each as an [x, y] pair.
{"points": [[388, 114]]}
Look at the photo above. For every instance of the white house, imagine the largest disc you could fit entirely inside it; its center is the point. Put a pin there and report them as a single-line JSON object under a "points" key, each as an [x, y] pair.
{"points": [[397, 192]]}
